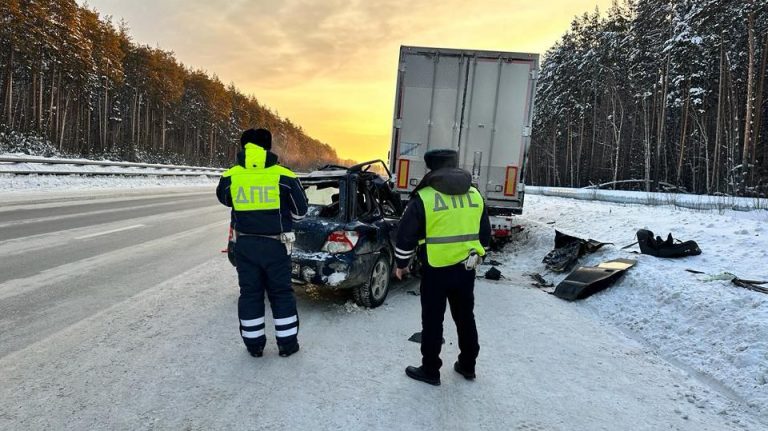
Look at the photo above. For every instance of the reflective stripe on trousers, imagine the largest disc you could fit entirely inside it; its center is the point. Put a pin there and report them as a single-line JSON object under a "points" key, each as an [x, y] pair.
{"points": [[286, 327], [252, 328]]}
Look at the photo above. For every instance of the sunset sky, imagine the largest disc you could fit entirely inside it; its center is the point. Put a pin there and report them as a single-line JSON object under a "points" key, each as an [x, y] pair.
{"points": [[330, 65]]}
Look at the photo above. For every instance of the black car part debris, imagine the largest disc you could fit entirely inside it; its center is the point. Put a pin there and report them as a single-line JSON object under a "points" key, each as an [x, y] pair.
{"points": [[568, 249], [655, 246], [416, 338], [588, 280], [542, 283], [629, 246], [493, 274], [753, 285]]}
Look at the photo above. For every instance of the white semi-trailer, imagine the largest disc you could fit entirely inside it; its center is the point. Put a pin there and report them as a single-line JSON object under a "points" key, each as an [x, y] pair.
{"points": [[479, 103]]}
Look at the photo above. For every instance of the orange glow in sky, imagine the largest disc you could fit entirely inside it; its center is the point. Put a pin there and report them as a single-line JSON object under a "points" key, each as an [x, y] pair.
{"points": [[330, 65]]}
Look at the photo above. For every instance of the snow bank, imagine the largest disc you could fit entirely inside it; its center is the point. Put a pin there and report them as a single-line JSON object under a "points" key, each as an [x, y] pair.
{"points": [[34, 182], [715, 329], [27, 183], [699, 202]]}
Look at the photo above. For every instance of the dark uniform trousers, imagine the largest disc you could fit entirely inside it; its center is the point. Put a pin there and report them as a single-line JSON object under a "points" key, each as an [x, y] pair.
{"points": [[263, 265], [456, 285]]}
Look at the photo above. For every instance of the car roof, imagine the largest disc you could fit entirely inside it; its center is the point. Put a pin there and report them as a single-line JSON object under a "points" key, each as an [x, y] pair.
{"points": [[335, 173]]}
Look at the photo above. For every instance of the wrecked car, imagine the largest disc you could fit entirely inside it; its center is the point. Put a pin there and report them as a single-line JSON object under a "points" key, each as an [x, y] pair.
{"points": [[346, 241]]}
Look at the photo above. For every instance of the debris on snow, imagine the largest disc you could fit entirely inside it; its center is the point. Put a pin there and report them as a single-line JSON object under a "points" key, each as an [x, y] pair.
{"points": [[695, 321]]}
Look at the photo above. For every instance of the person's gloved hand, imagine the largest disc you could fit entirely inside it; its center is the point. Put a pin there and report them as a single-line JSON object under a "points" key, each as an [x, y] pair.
{"points": [[473, 260]]}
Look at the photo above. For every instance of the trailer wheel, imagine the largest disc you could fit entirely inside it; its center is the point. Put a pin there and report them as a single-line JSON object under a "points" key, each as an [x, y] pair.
{"points": [[373, 292]]}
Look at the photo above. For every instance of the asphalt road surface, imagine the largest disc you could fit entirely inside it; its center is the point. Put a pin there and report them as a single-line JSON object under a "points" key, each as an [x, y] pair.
{"points": [[67, 257]]}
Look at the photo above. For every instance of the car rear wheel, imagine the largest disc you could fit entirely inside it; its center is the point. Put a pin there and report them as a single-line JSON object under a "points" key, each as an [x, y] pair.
{"points": [[375, 290]]}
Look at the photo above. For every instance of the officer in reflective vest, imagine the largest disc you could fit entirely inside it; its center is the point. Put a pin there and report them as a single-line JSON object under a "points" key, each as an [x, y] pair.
{"points": [[266, 199], [447, 225]]}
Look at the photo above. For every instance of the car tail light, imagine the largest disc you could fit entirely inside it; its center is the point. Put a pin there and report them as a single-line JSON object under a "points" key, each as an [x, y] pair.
{"points": [[341, 241], [510, 183], [403, 166]]}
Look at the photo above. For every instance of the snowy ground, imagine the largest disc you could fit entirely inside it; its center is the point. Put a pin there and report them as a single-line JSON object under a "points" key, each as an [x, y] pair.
{"points": [[24, 184], [680, 200], [170, 358], [663, 349], [34, 182], [702, 322]]}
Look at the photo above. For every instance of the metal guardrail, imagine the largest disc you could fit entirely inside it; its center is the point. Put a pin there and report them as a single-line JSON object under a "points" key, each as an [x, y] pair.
{"points": [[172, 170]]}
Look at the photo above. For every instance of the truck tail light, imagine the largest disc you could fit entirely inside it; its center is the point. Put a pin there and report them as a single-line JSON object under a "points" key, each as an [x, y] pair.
{"points": [[403, 166], [510, 183], [500, 233], [341, 241]]}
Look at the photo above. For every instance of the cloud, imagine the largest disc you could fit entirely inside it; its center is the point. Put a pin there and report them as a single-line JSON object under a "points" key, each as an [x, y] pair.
{"points": [[330, 65]]}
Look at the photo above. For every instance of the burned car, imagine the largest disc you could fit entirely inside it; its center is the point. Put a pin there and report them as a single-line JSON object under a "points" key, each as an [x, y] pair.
{"points": [[347, 239]]}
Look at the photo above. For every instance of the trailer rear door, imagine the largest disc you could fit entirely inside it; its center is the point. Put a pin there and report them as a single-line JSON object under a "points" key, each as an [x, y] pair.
{"points": [[477, 102]]}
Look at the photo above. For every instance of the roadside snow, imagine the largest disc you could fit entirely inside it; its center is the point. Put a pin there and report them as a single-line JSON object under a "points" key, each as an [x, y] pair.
{"points": [[691, 201], [32, 183], [715, 329]]}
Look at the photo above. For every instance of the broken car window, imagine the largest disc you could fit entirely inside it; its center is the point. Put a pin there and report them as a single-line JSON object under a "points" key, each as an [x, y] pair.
{"points": [[323, 199]]}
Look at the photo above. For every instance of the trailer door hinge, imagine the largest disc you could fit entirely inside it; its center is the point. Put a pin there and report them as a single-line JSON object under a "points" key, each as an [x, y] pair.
{"points": [[398, 123], [534, 74], [526, 132]]}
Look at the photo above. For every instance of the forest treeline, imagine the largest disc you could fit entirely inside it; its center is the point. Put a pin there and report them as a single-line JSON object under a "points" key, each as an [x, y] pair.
{"points": [[78, 81], [657, 95]]}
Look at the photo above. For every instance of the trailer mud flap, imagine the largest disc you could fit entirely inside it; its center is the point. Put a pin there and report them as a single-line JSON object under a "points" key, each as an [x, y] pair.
{"points": [[588, 280]]}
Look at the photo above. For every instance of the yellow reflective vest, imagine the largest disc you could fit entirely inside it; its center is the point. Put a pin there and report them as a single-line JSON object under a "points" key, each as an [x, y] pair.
{"points": [[255, 187], [452, 226]]}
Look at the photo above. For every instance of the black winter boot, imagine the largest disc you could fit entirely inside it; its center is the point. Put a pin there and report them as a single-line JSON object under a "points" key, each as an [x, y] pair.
{"points": [[288, 349], [469, 375], [256, 351], [418, 373]]}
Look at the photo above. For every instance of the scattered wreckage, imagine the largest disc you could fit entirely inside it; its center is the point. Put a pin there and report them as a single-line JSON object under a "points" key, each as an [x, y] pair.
{"points": [[585, 281], [588, 280]]}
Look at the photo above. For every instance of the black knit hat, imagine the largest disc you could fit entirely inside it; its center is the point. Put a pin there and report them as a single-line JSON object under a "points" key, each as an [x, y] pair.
{"points": [[260, 137], [437, 159]]}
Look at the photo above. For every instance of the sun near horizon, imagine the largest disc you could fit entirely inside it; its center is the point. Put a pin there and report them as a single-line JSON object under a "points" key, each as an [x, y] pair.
{"points": [[331, 66]]}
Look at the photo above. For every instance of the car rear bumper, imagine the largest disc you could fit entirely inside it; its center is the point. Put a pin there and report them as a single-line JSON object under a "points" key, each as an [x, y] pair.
{"points": [[332, 271]]}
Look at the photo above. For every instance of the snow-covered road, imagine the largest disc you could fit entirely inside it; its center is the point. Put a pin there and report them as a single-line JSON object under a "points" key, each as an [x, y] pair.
{"points": [[66, 256], [165, 353], [170, 358]]}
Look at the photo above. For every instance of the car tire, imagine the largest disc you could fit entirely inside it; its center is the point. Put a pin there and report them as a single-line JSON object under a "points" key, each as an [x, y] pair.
{"points": [[373, 292]]}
